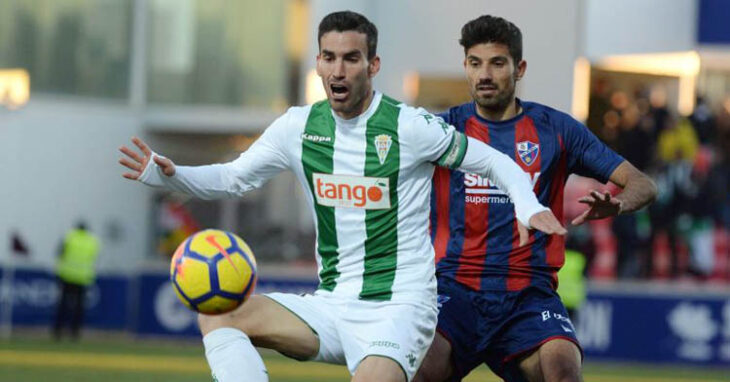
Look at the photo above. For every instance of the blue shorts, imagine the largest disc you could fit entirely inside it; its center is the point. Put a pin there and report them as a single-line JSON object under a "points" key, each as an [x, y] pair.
{"points": [[499, 328]]}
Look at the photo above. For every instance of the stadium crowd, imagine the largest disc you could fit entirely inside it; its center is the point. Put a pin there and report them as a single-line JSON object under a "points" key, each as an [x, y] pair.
{"points": [[684, 234]]}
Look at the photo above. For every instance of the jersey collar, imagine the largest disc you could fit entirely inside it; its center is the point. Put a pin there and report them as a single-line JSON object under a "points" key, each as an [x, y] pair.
{"points": [[517, 117], [362, 118]]}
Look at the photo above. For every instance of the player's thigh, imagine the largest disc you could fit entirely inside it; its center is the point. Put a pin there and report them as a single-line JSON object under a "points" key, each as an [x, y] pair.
{"points": [[398, 332], [555, 360], [379, 368], [436, 366], [268, 324]]}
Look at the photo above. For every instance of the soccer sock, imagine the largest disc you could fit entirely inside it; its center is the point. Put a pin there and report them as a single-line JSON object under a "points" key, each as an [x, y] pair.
{"points": [[232, 357]]}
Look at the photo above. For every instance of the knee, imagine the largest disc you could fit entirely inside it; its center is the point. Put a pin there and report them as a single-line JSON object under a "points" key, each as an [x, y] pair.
{"points": [[562, 371], [564, 376], [240, 319], [560, 361], [208, 323], [568, 372]]}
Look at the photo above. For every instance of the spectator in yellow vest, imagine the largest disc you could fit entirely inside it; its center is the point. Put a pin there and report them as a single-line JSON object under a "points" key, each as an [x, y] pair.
{"points": [[678, 141], [75, 272]]}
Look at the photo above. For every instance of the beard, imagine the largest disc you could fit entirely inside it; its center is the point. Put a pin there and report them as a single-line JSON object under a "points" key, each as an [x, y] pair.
{"points": [[499, 102]]}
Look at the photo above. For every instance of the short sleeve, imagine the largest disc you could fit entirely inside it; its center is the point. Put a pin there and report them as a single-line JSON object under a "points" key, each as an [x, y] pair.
{"points": [[587, 155]]}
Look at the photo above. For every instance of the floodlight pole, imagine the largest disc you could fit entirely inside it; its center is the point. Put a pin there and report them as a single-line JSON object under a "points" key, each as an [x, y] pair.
{"points": [[138, 56]]}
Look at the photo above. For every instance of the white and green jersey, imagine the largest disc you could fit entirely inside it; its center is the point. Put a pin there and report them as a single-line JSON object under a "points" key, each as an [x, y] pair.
{"points": [[368, 180]]}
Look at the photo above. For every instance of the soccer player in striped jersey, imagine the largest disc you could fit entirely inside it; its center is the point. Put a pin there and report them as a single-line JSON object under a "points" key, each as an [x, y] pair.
{"points": [[497, 298], [366, 162]]}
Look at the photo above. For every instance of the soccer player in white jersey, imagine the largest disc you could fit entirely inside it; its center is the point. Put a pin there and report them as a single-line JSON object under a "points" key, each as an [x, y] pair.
{"points": [[366, 162]]}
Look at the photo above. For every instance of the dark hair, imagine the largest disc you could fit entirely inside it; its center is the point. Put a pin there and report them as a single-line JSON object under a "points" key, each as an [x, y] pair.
{"points": [[350, 21], [81, 224], [487, 28]]}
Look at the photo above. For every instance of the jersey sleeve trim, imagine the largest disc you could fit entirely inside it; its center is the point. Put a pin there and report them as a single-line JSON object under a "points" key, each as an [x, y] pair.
{"points": [[454, 154], [604, 178]]}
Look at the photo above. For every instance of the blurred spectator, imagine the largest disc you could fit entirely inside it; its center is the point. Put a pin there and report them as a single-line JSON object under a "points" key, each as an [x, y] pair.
{"points": [[677, 141], [703, 121], [658, 109], [635, 143], [17, 244], [723, 131], [635, 138], [627, 245], [689, 158], [76, 272], [721, 171], [609, 132], [598, 104], [676, 189], [702, 204]]}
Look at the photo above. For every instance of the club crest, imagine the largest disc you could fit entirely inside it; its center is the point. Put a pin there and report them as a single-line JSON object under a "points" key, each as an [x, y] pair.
{"points": [[382, 146], [528, 151]]}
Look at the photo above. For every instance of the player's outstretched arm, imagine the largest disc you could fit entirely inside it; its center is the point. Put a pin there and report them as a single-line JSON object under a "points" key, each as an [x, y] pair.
{"points": [[137, 163], [264, 159], [486, 161], [205, 182], [638, 191]]}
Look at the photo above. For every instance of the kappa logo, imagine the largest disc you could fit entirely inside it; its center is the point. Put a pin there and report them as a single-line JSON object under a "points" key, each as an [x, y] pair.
{"points": [[316, 138], [430, 117], [411, 359], [384, 344], [528, 151], [382, 145], [349, 191]]}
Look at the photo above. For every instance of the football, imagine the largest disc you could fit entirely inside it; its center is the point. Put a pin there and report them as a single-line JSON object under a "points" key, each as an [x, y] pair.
{"points": [[213, 271]]}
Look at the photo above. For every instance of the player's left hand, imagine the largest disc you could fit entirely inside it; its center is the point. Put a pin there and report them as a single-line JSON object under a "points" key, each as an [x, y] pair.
{"points": [[543, 221], [600, 206]]}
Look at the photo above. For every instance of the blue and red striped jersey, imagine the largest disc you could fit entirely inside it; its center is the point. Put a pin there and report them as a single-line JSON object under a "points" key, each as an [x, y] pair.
{"points": [[473, 225]]}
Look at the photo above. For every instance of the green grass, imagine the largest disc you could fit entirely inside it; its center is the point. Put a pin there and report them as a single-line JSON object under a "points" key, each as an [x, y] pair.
{"points": [[107, 344], [17, 373], [121, 359]]}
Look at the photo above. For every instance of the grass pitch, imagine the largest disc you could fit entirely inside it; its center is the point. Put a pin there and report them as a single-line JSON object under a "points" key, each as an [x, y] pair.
{"points": [[120, 359]]}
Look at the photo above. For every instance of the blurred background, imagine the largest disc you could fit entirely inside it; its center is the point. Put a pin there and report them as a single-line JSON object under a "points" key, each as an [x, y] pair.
{"points": [[200, 80]]}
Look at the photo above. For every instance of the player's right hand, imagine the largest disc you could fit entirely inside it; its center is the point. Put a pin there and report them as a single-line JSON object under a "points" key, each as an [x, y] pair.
{"points": [[137, 163]]}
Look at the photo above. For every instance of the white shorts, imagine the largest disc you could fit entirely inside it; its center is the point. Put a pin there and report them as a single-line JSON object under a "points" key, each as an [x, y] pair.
{"points": [[350, 330]]}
